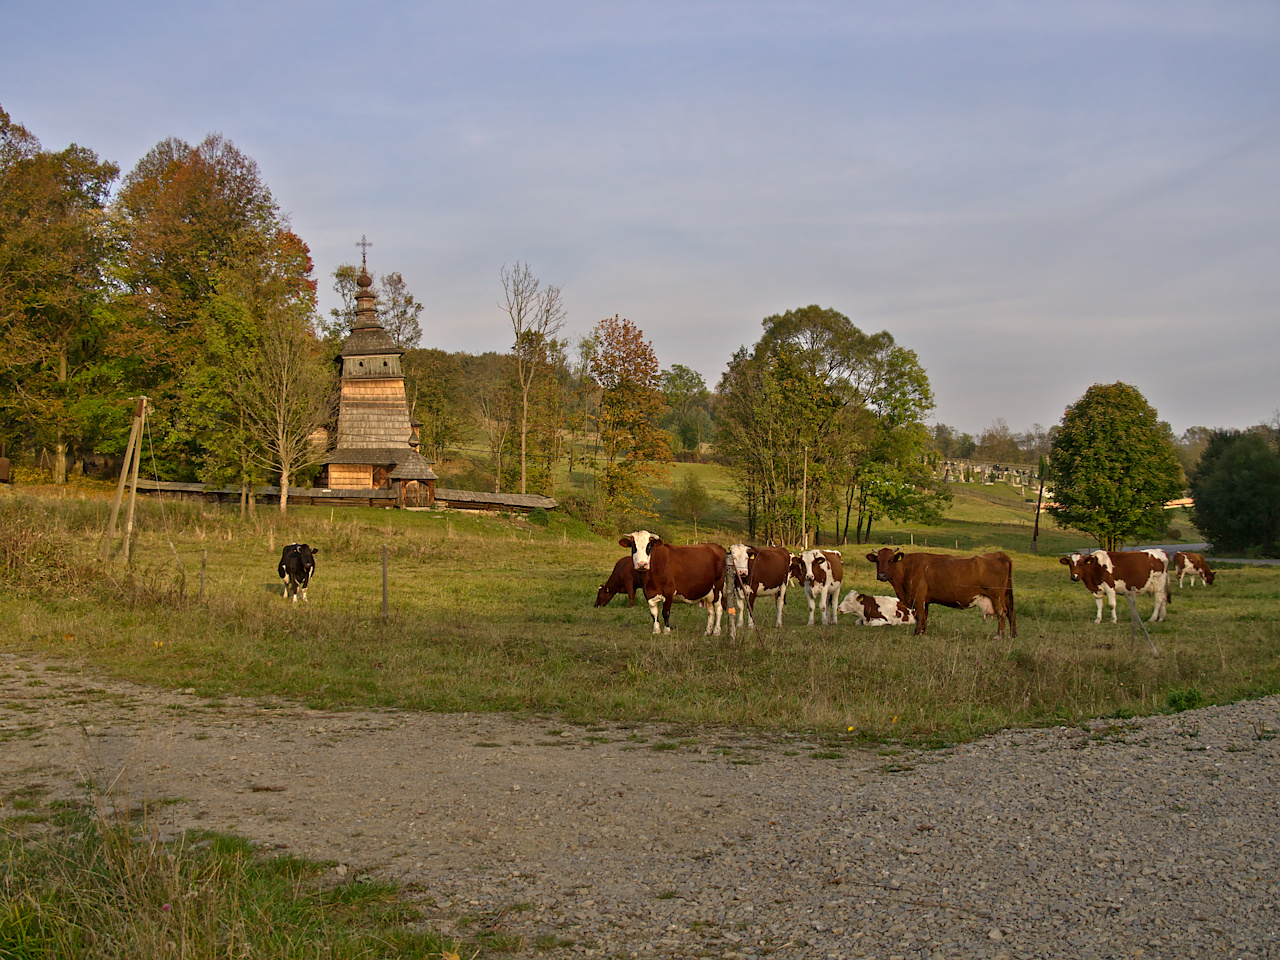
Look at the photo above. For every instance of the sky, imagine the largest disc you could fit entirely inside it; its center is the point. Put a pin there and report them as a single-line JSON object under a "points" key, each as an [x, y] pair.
{"points": [[1034, 197]]}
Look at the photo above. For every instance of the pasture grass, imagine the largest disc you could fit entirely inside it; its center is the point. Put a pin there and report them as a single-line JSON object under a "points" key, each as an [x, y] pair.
{"points": [[81, 882], [493, 613]]}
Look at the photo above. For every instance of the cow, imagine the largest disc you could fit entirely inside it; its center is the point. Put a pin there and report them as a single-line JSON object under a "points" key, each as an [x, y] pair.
{"points": [[1194, 564], [693, 574], [920, 579], [297, 567], [877, 611], [1104, 572], [624, 579], [821, 572], [759, 571]]}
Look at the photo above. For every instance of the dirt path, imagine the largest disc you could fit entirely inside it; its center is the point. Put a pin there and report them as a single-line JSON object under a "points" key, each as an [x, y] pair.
{"points": [[638, 841]]}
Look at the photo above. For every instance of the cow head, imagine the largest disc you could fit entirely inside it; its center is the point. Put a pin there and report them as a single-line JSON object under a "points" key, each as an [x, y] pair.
{"points": [[884, 559], [1206, 574], [812, 567], [742, 556], [603, 595], [1076, 564], [641, 544]]}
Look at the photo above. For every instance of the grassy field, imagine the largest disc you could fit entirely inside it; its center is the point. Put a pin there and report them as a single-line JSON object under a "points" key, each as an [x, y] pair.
{"points": [[493, 613]]}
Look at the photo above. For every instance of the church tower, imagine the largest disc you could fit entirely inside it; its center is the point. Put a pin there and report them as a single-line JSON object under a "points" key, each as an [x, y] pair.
{"points": [[377, 441]]}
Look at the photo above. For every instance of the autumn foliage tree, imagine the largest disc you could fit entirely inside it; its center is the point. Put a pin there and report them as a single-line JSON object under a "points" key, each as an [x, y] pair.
{"points": [[54, 252], [624, 367]]}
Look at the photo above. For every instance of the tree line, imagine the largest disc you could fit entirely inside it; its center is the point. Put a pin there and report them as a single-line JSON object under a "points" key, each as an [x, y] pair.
{"points": [[184, 282]]}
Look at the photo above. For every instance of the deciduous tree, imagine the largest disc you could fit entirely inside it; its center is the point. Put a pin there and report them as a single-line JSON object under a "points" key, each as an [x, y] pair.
{"points": [[625, 368], [1236, 489], [536, 314], [1113, 466]]}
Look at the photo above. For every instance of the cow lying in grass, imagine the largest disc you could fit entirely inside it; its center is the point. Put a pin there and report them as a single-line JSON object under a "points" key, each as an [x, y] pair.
{"points": [[297, 567], [877, 611]]}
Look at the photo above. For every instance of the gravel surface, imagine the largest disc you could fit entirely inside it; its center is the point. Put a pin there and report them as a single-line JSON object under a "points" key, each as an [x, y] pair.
{"points": [[1152, 837]]}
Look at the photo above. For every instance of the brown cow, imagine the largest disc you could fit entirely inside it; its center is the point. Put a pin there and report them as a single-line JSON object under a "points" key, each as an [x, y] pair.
{"points": [[624, 579], [821, 572], [919, 579], [693, 574], [759, 571], [877, 611], [1194, 564], [1104, 572]]}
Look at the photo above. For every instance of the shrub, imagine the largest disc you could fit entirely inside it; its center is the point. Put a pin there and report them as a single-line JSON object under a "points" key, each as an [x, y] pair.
{"points": [[1188, 699], [538, 517]]}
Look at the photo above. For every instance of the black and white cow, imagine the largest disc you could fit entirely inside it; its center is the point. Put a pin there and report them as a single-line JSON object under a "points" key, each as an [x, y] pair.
{"points": [[297, 567]]}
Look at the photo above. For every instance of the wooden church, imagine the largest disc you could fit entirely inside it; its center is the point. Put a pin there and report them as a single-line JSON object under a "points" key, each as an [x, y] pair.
{"points": [[376, 447]]}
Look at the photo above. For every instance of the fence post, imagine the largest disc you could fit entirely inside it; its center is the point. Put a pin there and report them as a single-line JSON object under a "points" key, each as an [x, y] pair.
{"points": [[386, 610], [204, 559]]}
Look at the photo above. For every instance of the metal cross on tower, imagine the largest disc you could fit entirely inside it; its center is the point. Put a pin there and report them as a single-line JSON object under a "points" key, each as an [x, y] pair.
{"points": [[364, 246]]}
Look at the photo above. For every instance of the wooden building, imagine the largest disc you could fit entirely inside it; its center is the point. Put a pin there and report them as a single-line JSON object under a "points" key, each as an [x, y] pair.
{"points": [[376, 446]]}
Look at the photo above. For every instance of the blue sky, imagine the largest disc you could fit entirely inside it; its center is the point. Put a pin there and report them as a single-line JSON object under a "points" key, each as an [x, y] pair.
{"points": [[1034, 197]]}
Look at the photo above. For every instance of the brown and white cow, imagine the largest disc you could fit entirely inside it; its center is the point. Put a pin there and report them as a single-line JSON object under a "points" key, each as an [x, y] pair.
{"points": [[919, 579], [877, 611], [1106, 572], [1194, 564], [693, 574], [759, 571], [624, 579], [821, 572]]}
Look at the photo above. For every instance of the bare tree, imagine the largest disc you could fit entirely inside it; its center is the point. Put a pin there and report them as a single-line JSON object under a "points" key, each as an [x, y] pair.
{"points": [[537, 314], [285, 394]]}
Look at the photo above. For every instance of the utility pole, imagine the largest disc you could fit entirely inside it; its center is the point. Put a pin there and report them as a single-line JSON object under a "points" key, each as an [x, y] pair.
{"points": [[130, 457], [1035, 533], [804, 504]]}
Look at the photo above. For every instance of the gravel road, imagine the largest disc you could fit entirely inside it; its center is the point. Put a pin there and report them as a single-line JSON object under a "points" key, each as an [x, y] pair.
{"points": [[1154, 837]]}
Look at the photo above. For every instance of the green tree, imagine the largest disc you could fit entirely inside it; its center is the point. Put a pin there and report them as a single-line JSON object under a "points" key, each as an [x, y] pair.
{"points": [[1236, 488], [687, 418], [55, 387], [1113, 466], [690, 500]]}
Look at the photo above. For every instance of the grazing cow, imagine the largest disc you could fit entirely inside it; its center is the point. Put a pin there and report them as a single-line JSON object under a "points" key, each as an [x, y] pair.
{"points": [[1104, 572], [625, 578], [821, 572], [919, 579], [1194, 564], [297, 567], [877, 611], [759, 571], [693, 574]]}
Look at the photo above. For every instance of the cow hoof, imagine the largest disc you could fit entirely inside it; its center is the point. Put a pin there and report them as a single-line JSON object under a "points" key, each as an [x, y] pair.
{"points": [[666, 629]]}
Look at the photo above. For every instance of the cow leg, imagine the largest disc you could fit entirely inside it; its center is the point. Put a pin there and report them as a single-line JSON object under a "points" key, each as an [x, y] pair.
{"points": [[666, 614], [922, 617], [749, 605], [1009, 612], [808, 595], [1110, 594], [835, 603], [714, 610], [654, 603], [304, 593], [781, 597]]}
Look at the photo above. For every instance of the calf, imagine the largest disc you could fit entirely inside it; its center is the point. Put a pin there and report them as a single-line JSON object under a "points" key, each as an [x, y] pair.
{"points": [[625, 578], [759, 572], [920, 579], [821, 572], [1194, 564], [297, 567], [1104, 572], [877, 611], [693, 574]]}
